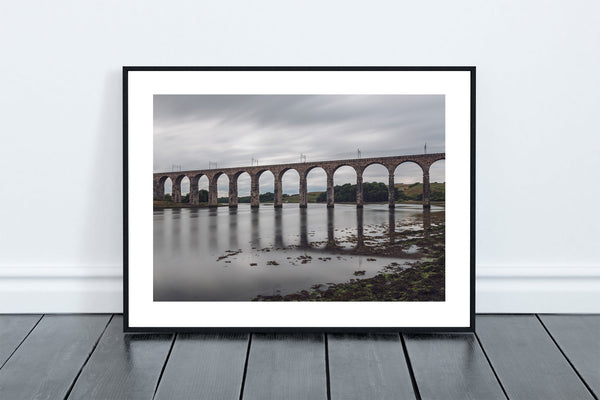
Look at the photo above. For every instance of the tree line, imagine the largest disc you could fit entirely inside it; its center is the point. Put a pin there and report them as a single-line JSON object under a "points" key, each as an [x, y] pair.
{"points": [[372, 192]]}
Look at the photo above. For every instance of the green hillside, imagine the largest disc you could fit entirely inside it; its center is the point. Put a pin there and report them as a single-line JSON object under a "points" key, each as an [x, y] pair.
{"points": [[414, 191], [295, 198], [406, 192]]}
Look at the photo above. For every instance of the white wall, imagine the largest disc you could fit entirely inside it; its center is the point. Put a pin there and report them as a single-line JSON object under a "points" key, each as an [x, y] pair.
{"points": [[538, 127]]}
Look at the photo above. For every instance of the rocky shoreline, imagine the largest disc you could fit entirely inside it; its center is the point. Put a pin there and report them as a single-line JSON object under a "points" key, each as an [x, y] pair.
{"points": [[421, 280]]}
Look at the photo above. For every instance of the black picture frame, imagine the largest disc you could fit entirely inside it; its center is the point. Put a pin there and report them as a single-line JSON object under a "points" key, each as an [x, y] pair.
{"points": [[128, 147]]}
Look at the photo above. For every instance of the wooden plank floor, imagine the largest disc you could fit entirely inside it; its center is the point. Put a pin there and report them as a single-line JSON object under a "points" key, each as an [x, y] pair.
{"points": [[509, 356]]}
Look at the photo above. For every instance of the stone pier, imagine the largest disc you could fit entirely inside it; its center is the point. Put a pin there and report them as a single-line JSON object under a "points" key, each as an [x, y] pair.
{"points": [[330, 191], [233, 191], [254, 190]]}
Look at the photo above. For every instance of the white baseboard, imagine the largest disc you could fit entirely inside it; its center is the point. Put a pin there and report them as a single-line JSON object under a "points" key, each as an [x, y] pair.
{"points": [[50, 289], [538, 289]]}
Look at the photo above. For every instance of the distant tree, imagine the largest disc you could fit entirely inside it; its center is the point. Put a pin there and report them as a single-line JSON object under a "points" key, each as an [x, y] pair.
{"points": [[372, 192], [203, 196], [168, 197], [438, 195], [266, 197], [375, 192], [400, 195]]}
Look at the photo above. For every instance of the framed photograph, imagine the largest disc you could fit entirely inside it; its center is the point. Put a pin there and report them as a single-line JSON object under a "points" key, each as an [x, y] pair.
{"points": [[299, 198]]}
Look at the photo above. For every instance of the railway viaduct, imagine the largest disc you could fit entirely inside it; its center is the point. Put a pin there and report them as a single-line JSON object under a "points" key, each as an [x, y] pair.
{"points": [[359, 165]]}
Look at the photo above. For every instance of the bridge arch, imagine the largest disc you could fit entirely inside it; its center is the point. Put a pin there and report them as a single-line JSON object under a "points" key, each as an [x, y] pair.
{"points": [[159, 187], [344, 176], [176, 187], [315, 180], [411, 177], [184, 185], [437, 177], [261, 182], [338, 166], [293, 180], [234, 192], [217, 185], [384, 190]]}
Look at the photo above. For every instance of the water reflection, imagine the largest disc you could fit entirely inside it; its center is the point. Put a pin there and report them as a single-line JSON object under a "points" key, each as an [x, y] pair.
{"points": [[392, 225], [360, 233], [303, 229], [255, 225], [278, 227], [426, 223], [218, 254], [330, 228]]}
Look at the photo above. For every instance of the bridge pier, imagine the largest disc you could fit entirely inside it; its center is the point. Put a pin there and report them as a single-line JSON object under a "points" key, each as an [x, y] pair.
{"points": [[159, 189], [359, 188], [330, 192], [303, 191], [212, 193], [194, 195], [278, 192], [176, 191], [254, 191], [426, 189], [391, 191], [233, 192]]}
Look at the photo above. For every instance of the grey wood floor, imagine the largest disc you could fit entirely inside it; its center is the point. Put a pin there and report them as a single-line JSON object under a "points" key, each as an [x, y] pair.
{"points": [[510, 356]]}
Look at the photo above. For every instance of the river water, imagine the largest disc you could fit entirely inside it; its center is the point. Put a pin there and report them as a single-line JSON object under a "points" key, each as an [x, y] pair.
{"points": [[225, 254]]}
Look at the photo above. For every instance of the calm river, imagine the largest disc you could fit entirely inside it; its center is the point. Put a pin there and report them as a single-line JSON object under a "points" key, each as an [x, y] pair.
{"points": [[237, 254]]}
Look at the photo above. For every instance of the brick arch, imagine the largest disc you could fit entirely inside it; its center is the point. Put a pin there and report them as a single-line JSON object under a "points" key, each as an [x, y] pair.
{"points": [[159, 186], [176, 189], [338, 166], [178, 178], [284, 170], [215, 178], [195, 178], [311, 167], [420, 164]]}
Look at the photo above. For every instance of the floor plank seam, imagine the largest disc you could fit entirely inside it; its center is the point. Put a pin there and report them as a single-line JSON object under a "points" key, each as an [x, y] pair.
{"points": [[245, 366], [162, 371], [566, 358], [411, 372], [22, 341], [87, 358], [327, 375], [491, 365]]}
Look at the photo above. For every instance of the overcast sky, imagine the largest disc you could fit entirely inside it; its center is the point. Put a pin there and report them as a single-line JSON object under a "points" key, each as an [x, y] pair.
{"points": [[231, 130]]}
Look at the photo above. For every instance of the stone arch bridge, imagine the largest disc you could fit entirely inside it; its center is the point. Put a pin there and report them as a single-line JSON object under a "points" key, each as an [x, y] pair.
{"points": [[359, 165]]}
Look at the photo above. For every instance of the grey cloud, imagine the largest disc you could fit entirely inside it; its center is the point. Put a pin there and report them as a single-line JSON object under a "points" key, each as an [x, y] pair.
{"points": [[191, 130]]}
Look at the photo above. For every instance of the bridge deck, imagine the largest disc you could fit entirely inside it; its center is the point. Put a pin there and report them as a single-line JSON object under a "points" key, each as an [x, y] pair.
{"points": [[510, 356], [349, 161]]}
